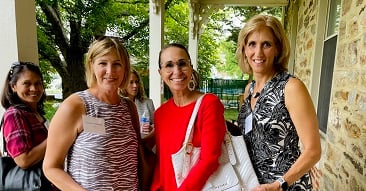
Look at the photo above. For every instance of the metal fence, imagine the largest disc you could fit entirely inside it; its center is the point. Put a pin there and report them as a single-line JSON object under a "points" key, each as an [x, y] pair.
{"points": [[227, 90]]}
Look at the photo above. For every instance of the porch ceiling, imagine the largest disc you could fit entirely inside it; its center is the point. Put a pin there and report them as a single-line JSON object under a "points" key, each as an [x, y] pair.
{"points": [[269, 3]]}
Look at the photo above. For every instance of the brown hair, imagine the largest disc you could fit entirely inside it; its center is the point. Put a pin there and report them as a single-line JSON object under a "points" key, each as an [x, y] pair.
{"points": [[177, 45], [195, 74], [140, 92]]}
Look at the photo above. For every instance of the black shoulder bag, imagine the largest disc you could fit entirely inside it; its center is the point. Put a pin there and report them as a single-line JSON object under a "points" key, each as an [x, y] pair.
{"points": [[15, 178]]}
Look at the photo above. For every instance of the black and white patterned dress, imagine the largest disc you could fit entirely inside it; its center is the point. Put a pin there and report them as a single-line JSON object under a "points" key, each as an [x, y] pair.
{"points": [[272, 141], [105, 162]]}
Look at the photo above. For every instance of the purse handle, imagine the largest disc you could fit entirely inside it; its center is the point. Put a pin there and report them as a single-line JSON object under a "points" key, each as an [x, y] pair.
{"points": [[189, 132], [135, 118], [3, 142]]}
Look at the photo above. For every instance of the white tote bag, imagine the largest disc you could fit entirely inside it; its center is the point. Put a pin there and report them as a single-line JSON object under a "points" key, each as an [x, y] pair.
{"points": [[239, 158], [226, 177]]}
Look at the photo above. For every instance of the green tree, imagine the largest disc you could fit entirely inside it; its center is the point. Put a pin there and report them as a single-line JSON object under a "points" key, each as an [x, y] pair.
{"points": [[67, 27], [230, 65], [245, 13], [177, 28]]}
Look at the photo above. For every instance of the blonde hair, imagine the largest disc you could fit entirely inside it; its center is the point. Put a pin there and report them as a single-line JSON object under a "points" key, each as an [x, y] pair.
{"points": [[282, 43], [103, 46]]}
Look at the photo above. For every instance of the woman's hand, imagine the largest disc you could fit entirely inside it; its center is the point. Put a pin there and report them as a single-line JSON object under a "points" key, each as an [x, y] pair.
{"points": [[274, 186], [146, 128]]}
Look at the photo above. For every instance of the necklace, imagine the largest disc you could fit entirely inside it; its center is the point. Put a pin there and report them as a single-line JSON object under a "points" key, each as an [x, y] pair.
{"points": [[256, 95]]}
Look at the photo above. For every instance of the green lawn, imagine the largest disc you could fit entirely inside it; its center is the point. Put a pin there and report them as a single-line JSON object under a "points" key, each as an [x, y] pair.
{"points": [[231, 114], [51, 107]]}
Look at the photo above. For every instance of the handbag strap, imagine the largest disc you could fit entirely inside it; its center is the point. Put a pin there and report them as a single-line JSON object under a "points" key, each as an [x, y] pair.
{"points": [[3, 142], [189, 132], [135, 118]]}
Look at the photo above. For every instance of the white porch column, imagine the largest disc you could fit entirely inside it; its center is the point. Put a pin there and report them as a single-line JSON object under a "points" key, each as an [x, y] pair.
{"points": [[194, 29], [195, 23], [193, 50], [199, 14], [156, 40], [18, 35]]}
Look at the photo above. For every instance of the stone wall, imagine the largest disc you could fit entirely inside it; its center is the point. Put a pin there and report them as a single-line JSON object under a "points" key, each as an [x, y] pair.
{"points": [[306, 29], [345, 167], [343, 163]]}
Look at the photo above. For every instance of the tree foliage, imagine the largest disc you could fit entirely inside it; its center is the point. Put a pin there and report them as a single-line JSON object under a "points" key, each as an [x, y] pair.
{"points": [[66, 28], [245, 13], [177, 29]]}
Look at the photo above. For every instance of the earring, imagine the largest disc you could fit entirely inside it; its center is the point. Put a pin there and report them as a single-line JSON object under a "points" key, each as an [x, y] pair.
{"points": [[192, 83]]}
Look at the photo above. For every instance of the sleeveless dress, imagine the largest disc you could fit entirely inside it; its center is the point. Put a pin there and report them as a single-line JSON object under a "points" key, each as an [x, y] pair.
{"points": [[272, 140], [105, 162]]}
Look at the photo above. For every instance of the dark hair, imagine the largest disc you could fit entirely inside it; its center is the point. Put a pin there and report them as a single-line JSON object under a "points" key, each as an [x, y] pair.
{"points": [[173, 45], [196, 79], [195, 74], [9, 98]]}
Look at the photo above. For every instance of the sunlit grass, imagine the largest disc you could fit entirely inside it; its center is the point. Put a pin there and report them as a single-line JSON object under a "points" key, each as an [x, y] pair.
{"points": [[50, 108], [231, 114]]}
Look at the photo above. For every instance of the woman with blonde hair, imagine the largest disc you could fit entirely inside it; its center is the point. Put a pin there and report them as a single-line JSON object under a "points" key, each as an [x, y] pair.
{"points": [[93, 129], [277, 113]]}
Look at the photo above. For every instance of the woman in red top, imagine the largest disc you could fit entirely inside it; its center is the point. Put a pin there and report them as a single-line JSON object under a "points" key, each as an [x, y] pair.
{"points": [[171, 121]]}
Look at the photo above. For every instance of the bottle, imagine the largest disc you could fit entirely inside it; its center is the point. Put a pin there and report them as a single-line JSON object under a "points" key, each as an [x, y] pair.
{"points": [[145, 123]]}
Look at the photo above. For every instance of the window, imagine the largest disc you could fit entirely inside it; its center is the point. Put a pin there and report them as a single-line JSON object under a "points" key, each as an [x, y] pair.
{"points": [[333, 17], [329, 50]]}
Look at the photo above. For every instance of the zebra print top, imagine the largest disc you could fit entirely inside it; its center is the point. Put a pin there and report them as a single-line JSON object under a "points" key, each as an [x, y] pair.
{"points": [[270, 134], [109, 161]]}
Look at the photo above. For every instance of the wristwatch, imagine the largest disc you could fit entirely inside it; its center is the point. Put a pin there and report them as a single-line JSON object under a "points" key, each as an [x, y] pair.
{"points": [[283, 184]]}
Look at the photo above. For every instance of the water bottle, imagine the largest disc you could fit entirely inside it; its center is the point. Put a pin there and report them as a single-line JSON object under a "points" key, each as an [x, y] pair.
{"points": [[145, 122]]}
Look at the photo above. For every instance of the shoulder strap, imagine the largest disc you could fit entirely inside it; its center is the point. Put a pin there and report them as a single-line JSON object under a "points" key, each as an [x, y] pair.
{"points": [[189, 132], [3, 142], [134, 117]]}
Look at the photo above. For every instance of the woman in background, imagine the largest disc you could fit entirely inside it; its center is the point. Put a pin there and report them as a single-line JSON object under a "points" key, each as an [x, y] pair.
{"points": [[24, 127], [145, 106]]}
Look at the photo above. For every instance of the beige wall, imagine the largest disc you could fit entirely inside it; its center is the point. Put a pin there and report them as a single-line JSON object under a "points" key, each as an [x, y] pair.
{"points": [[343, 164], [18, 35]]}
